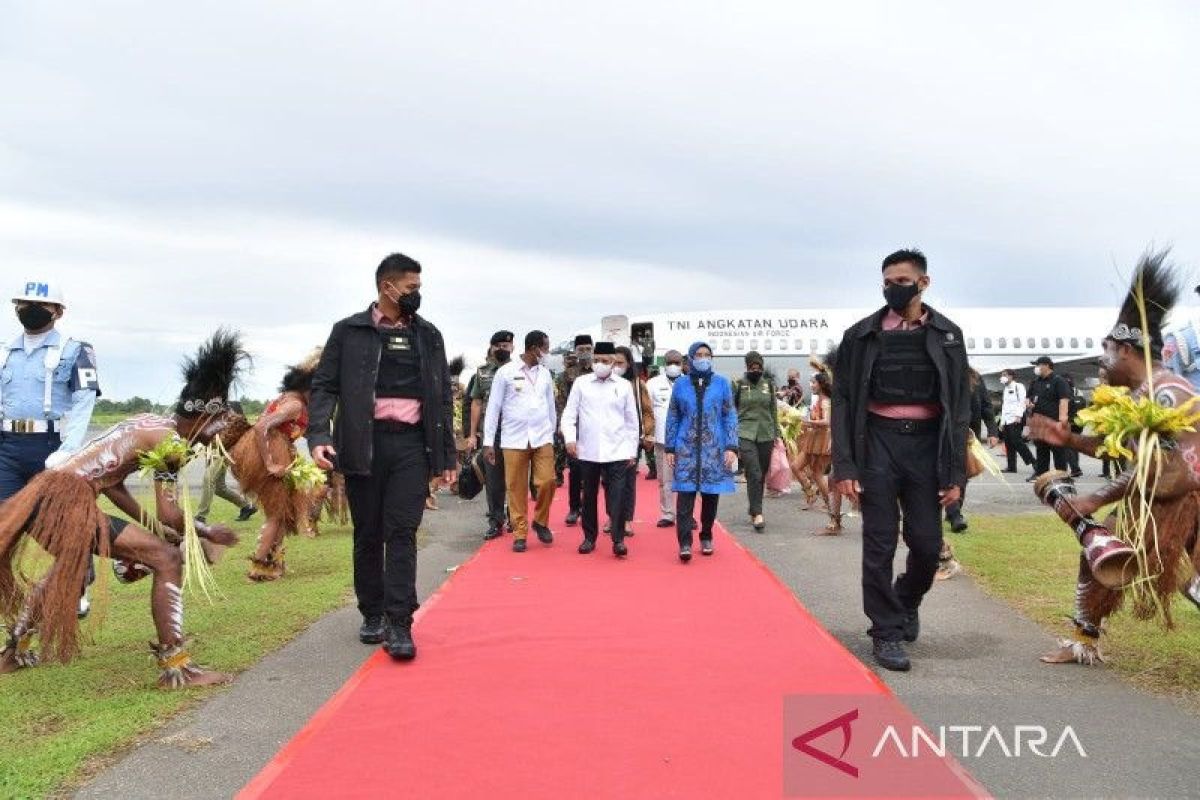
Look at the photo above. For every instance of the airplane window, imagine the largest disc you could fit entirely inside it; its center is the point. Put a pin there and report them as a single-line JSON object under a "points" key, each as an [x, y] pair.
{"points": [[813, 345], [1045, 342], [1074, 342], [783, 344], [1088, 342], [1032, 343], [754, 344], [767, 345], [725, 345], [970, 342], [987, 343], [740, 344], [1003, 342], [799, 345], [1058, 343], [829, 344]]}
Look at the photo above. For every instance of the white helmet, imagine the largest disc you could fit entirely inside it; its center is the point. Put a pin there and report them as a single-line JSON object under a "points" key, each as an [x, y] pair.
{"points": [[40, 292]]}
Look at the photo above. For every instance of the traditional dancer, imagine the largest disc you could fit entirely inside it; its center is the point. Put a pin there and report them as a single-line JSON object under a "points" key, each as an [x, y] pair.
{"points": [[1143, 550], [261, 463], [59, 510], [817, 444]]}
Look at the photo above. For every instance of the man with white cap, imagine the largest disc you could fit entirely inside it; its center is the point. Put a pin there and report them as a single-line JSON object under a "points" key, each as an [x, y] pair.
{"points": [[48, 387]]}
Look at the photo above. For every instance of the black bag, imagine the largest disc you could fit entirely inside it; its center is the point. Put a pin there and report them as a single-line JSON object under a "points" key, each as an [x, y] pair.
{"points": [[470, 478]]}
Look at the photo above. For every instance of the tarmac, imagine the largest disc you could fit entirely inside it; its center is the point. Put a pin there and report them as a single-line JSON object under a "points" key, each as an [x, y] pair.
{"points": [[975, 664]]}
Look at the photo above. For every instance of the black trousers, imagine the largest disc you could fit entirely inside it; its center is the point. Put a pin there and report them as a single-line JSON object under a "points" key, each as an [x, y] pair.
{"points": [[1044, 454], [574, 485], [495, 488], [615, 477], [1015, 446], [756, 459], [685, 519], [629, 498], [386, 508], [900, 476]]}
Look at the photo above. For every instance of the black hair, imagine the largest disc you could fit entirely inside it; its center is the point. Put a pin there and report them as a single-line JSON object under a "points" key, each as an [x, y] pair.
{"points": [[535, 339], [395, 264], [212, 372], [910, 256], [457, 365], [631, 369], [823, 381], [297, 379]]}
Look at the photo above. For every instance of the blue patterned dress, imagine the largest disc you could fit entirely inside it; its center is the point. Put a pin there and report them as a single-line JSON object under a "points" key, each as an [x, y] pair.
{"points": [[699, 432]]}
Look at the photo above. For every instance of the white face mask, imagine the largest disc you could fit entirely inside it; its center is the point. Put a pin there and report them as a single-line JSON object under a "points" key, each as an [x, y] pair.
{"points": [[674, 370], [543, 359], [619, 372], [602, 370], [1004, 379]]}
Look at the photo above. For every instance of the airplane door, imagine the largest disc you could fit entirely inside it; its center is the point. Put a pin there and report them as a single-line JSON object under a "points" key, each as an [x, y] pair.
{"points": [[615, 329]]}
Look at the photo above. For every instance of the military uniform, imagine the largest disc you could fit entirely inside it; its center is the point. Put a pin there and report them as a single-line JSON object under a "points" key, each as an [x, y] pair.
{"points": [[562, 391], [496, 489], [48, 388]]}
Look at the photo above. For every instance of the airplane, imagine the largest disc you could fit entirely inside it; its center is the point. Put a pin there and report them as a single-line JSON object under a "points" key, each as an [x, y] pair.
{"points": [[996, 338]]}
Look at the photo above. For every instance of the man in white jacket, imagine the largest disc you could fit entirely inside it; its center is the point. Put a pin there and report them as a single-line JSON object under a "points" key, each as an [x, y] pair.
{"points": [[600, 428], [1012, 420], [660, 387]]}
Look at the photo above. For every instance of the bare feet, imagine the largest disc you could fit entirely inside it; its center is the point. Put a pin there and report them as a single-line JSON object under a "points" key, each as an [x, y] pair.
{"points": [[194, 676], [1072, 651]]}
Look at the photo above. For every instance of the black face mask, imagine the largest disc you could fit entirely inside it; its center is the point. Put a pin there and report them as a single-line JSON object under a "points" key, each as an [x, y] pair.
{"points": [[753, 377], [503, 356], [898, 296], [409, 303], [34, 318], [792, 381]]}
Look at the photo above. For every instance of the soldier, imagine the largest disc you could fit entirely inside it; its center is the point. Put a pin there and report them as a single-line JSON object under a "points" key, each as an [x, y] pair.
{"points": [[499, 354], [47, 392], [583, 366]]}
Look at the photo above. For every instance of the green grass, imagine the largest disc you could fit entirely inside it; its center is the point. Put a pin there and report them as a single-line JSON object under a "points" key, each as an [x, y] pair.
{"points": [[58, 723], [1031, 562]]}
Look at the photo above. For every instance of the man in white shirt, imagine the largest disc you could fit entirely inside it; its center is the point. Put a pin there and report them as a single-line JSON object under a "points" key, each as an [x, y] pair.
{"points": [[600, 427], [660, 387], [1012, 420], [521, 405]]}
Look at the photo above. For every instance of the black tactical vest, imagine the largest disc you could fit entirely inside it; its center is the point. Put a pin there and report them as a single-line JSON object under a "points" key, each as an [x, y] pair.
{"points": [[904, 372], [399, 364]]}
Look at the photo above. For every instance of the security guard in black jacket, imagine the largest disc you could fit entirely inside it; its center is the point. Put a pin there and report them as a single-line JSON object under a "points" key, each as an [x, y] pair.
{"points": [[901, 409], [384, 384]]}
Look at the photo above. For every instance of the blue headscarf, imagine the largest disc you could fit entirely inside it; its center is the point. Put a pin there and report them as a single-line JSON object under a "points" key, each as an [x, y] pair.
{"points": [[692, 351]]}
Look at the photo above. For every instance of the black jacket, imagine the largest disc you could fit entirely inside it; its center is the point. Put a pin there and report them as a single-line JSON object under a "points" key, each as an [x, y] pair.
{"points": [[983, 414], [343, 393], [851, 388]]}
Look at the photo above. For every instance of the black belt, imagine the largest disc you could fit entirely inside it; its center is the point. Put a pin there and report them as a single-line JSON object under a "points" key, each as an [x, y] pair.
{"points": [[905, 425], [395, 426]]}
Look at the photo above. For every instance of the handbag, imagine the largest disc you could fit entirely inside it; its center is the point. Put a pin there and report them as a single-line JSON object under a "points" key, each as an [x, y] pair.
{"points": [[974, 465]]}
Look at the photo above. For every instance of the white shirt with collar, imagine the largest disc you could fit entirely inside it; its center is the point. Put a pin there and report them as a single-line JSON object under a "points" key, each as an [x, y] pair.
{"points": [[1013, 407], [522, 406], [660, 387], [601, 418]]}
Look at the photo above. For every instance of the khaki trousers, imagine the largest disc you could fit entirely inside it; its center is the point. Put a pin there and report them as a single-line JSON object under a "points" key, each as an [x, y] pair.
{"points": [[517, 464]]}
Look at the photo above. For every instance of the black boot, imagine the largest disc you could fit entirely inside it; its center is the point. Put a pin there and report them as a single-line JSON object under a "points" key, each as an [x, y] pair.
{"points": [[372, 630], [890, 655], [400, 644]]}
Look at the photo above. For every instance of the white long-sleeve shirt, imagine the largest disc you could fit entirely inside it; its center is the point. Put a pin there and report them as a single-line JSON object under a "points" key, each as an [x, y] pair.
{"points": [[522, 405], [660, 387], [1013, 406], [601, 418]]}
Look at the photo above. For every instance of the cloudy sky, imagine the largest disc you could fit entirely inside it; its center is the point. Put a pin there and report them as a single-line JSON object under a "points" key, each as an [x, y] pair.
{"points": [[182, 165]]}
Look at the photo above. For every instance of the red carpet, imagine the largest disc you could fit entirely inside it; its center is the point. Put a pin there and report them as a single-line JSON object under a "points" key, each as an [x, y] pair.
{"points": [[554, 675]]}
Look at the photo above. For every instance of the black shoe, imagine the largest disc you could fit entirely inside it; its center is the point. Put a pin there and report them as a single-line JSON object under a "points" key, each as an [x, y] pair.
{"points": [[572, 518], [1077, 473], [1012, 471], [202, 519], [665, 523], [544, 534], [706, 548], [247, 512], [685, 553], [912, 626], [620, 550], [958, 524], [518, 545], [372, 630], [891, 655], [586, 547], [494, 530], [400, 644]]}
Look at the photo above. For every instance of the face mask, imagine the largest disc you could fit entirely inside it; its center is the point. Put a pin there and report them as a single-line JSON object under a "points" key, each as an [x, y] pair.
{"points": [[702, 365], [898, 296], [543, 359], [619, 372], [792, 381], [674, 371], [753, 377], [34, 318], [409, 303], [602, 370], [502, 356]]}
